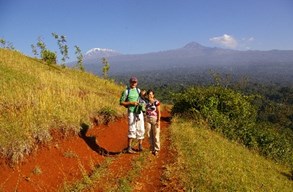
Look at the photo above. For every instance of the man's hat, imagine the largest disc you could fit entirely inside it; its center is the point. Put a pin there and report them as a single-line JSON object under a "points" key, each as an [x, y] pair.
{"points": [[133, 79]]}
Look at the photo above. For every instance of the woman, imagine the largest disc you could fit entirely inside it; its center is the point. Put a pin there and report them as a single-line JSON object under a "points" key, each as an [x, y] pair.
{"points": [[153, 115]]}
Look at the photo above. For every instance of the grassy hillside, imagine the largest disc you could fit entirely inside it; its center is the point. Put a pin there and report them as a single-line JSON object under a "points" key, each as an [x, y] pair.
{"points": [[209, 162], [36, 98]]}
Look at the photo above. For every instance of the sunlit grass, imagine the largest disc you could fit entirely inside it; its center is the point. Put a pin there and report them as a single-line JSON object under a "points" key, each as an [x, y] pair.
{"points": [[88, 180], [209, 162], [36, 98]]}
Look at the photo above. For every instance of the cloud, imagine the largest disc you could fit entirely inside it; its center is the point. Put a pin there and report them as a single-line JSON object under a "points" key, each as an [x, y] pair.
{"points": [[246, 43], [225, 40]]}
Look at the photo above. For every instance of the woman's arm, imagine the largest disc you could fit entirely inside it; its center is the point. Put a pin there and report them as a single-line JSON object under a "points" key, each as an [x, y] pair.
{"points": [[158, 115]]}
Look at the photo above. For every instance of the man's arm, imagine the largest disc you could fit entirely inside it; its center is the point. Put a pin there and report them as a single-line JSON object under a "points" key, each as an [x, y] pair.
{"points": [[128, 103]]}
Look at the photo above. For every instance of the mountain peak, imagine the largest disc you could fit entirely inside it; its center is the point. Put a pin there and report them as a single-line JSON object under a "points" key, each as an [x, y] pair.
{"points": [[193, 45], [101, 52]]}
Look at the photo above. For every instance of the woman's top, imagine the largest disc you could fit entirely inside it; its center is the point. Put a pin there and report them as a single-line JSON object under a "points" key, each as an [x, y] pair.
{"points": [[151, 108]]}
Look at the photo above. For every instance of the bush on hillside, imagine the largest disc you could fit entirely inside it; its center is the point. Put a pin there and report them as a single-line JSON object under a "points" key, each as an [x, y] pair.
{"points": [[49, 57], [274, 144], [235, 116], [227, 111], [104, 116]]}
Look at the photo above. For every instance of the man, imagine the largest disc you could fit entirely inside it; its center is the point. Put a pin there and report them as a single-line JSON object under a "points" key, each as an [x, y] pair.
{"points": [[130, 100]]}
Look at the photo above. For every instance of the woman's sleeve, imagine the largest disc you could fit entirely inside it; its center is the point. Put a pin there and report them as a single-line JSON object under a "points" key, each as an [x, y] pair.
{"points": [[157, 103]]}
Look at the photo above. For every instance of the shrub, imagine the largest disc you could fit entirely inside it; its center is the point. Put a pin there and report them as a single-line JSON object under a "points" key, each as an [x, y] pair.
{"points": [[104, 116], [227, 111], [49, 56], [235, 116], [273, 144]]}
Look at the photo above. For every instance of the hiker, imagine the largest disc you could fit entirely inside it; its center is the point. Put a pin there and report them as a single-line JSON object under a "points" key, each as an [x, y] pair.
{"points": [[153, 116], [130, 99], [143, 95]]}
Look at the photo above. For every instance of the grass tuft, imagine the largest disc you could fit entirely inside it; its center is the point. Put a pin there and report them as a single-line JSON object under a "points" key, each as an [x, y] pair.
{"points": [[37, 170], [104, 116]]}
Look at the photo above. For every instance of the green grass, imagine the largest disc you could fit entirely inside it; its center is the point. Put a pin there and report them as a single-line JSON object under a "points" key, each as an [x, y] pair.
{"points": [[36, 98], [209, 162], [124, 183], [87, 181]]}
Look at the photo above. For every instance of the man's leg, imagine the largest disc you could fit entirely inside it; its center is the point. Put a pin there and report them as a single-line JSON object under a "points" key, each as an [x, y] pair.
{"points": [[131, 131], [140, 148], [129, 149], [140, 131]]}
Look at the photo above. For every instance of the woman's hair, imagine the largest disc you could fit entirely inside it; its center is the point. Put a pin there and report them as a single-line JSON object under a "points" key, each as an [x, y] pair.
{"points": [[150, 90]]}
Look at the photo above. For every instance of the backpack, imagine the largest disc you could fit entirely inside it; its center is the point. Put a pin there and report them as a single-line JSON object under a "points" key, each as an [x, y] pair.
{"points": [[127, 93]]}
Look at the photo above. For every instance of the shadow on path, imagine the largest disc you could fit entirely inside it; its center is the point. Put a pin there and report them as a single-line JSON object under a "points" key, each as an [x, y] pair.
{"points": [[91, 142], [167, 119]]}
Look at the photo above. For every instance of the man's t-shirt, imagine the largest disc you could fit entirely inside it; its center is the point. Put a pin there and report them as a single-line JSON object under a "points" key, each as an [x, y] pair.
{"points": [[133, 95]]}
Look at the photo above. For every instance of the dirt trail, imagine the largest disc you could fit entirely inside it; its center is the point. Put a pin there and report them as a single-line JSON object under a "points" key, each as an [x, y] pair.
{"points": [[65, 160]]}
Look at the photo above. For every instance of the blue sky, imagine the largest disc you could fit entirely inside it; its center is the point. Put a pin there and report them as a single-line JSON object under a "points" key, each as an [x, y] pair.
{"points": [[141, 26]]}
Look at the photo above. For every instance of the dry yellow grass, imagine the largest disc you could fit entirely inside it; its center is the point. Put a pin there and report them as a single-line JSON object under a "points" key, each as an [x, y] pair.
{"points": [[36, 97]]}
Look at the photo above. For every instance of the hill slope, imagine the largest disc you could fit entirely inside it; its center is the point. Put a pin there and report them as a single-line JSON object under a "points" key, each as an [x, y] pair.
{"points": [[208, 162], [37, 98]]}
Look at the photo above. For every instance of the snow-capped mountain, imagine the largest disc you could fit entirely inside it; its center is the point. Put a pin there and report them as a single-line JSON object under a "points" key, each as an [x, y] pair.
{"points": [[197, 59], [100, 52]]}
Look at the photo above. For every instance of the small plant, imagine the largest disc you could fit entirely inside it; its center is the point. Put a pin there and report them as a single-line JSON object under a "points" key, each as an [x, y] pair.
{"points": [[41, 44], [49, 57], [37, 170], [106, 67], [70, 154], [6, 44], [61, 41], [34, 50], [104, 116], [79, 57], [46, 55]]}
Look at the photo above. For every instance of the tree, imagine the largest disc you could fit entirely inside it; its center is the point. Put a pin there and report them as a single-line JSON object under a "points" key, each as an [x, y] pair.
{"points": [[79, 57], [34, 50], [61, 41], [46, 55], [6, 44], [41, 45], [106, 67], [3, 43]]}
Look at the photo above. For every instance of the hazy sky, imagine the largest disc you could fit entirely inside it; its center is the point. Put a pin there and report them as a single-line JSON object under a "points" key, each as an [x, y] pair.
{"points": [[141, 26]]}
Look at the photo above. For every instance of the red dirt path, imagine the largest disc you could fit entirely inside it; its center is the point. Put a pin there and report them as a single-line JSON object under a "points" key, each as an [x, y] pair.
{"points": [[64, 160]]}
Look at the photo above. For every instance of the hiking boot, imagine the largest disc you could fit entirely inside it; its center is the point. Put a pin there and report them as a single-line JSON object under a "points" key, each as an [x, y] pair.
{"points": [[130, 151], [140, 148], [155, 153]]}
